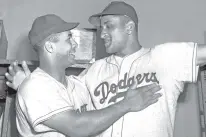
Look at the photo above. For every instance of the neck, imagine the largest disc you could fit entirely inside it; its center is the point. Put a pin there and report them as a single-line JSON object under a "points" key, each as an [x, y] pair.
{"points": [[54, 70]]}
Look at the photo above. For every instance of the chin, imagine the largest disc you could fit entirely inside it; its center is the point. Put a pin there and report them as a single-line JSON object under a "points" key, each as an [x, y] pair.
{"points": [[72, 62], [110, 51], [68, 65]]}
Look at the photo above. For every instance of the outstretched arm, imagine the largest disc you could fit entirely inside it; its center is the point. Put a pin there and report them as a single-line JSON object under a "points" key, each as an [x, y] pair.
{"points": [[94, 122]]}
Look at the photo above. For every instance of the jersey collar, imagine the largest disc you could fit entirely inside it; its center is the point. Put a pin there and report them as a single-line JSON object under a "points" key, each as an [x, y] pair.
{"points": [[111, 59]]}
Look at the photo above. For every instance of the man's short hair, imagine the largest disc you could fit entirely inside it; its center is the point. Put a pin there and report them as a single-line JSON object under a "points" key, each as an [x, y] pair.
{"points": [[54, 38]]}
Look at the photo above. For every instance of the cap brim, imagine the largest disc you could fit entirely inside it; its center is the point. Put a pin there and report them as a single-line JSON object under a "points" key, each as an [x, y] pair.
{"points": [[95, 19], [57, 29]]}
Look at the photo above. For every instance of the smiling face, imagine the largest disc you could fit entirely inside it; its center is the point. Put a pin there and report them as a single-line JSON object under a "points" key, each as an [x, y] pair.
{"points": [[113, 32], [65, 49]]}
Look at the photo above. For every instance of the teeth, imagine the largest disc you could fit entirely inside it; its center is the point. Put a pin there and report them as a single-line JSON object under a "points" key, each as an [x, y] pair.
{"points": [[107, 41], [71, 55]]}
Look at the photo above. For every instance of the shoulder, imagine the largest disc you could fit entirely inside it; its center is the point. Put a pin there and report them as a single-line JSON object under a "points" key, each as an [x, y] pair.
{"points": [[173, 45], [101, 63], [34, 84]]}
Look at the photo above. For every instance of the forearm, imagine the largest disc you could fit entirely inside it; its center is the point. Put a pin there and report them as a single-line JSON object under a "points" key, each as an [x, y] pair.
{"points": [[94, 122]]}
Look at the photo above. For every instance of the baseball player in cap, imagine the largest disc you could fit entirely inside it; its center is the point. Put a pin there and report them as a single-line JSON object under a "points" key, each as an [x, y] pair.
{"points": [[48, 103], [170, 65]]}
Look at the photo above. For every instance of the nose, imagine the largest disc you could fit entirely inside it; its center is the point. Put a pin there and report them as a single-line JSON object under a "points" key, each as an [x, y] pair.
{"points": [[74, 44], [102, 33]]}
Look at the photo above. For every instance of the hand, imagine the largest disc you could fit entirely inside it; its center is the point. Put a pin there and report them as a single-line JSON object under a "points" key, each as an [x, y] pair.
{"points": [[140, 98], [16, 74]]}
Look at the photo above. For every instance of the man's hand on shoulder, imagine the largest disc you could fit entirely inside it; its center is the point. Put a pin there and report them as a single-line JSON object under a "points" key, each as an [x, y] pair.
{"points": [[16, 74]]}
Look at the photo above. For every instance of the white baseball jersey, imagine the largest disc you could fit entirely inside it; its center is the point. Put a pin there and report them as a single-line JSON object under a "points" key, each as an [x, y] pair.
{"points": [[169, 65], [44, 98]]}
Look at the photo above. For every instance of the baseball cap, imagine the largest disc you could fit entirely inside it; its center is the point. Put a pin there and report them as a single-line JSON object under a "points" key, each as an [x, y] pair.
{"points": [[115, 8], [46, 25]]}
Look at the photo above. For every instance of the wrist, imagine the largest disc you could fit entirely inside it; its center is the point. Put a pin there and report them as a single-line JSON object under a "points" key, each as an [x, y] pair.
{"points": [[124, 106]]}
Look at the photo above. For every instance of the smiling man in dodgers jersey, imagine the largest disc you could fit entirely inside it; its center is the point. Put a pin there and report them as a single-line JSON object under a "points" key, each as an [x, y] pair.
{"points": [[170, 65]]}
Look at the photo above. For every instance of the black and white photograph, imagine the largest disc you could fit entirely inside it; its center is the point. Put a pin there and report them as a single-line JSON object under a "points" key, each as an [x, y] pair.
{"points": [[104, 68]]}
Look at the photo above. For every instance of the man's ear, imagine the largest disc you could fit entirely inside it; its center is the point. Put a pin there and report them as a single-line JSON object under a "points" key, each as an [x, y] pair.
{"points": [[49, 46], [130, 27]]}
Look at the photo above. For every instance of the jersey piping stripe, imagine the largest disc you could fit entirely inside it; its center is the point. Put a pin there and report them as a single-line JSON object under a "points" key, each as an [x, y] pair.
{"points": [[49, 115]]}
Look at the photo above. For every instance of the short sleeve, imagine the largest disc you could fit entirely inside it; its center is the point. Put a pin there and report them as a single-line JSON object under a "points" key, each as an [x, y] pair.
{"points": [[178, 60], [40, 99]]}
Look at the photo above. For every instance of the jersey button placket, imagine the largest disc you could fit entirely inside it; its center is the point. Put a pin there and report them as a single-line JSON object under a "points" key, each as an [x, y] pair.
{"points": [[117, 126]]}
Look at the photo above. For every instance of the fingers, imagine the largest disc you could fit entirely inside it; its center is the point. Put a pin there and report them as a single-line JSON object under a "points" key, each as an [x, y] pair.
{"points": [[9, 84], [16, 68], [146, 87], [11, 70], [9, 77], [153, 99], [156, 96], [150, 102], [153, 90], [149, 89], [25, 68], [150, 86]]}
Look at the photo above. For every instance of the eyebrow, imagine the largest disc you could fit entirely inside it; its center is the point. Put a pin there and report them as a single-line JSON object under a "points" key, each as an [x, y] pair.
{"points": [[106, 22]]}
